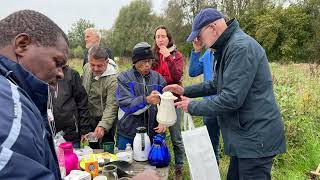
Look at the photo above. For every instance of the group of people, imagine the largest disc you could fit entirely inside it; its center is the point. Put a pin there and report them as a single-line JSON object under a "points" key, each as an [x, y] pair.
{"points": [[41, 95], [113, 104]]}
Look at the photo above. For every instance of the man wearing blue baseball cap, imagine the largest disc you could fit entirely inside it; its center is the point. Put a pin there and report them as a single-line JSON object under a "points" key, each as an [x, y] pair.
{"points": [[245, 104]]}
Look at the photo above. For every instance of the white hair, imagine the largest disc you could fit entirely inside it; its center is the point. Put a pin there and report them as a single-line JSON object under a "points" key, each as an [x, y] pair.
{"points": [[96, 32]]}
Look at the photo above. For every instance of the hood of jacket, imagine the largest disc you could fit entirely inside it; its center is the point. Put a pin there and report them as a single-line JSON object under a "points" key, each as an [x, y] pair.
{"points": [[112, 69]]}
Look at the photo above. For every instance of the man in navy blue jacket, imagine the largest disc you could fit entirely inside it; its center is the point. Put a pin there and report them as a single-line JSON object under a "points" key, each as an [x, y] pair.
{"points": [[33, 50], [137, 94], [245, 104]]}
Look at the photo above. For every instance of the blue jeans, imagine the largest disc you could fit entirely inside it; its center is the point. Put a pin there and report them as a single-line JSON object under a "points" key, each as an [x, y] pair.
{"points": [[123, 141], [176, 139], [214, 133]]}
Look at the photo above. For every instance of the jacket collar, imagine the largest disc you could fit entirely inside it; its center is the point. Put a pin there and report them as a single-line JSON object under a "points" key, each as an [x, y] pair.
{"points": [[233, 25], [36, 89], [172, 48]]}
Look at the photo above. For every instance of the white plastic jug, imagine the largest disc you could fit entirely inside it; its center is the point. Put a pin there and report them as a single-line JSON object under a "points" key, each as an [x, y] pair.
{"points": [[141, 145], [166, 111]]}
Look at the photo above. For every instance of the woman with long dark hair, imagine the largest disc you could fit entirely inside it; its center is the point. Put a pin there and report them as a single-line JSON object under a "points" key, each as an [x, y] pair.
{"points": [[169, 63]]}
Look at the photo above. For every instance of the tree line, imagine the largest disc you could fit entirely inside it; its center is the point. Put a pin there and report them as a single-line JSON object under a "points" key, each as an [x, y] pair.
{"points": [[289, 31]]}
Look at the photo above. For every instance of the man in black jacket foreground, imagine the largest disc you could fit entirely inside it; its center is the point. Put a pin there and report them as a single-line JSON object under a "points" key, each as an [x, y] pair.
{"points": [[70, 107]]}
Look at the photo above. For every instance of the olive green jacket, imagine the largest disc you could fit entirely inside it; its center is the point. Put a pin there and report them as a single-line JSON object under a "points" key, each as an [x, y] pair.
{"points": [[102, 94]]}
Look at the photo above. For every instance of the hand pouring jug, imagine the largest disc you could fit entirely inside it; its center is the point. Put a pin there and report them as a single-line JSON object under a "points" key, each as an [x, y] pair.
{"points": [[166, 111]]}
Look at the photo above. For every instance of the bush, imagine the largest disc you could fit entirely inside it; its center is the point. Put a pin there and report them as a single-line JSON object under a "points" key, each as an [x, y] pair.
{"points": [[298, 97], [78, 52]]}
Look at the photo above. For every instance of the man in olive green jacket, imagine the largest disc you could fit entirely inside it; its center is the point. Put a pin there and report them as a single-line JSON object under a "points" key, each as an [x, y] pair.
{"points": [[100, 83], [250, 120]]}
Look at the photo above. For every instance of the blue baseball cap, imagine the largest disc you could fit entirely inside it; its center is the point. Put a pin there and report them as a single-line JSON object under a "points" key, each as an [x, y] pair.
{"points": [[203, 18]]}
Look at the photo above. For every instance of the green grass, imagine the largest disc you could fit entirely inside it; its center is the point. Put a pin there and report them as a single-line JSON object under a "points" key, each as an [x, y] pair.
{"points": [[76, 64], [298, 96]]}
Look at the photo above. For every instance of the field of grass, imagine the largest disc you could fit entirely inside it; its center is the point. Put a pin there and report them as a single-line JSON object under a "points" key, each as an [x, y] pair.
{"points": [[298, 95]]}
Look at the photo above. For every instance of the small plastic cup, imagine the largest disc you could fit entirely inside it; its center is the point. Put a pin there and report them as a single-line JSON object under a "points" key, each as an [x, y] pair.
{"points": [[91, 137], [108, 147]]}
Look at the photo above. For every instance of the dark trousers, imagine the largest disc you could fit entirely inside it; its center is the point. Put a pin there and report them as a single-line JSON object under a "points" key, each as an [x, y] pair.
{"points": [[250, 168], [214, 133]]}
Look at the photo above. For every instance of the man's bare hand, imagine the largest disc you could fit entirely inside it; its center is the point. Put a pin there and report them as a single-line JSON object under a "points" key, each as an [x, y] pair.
{"points": [[184, 103], [197, 45], [153, 98], [175, 88], [99, 132], [160, 128]]}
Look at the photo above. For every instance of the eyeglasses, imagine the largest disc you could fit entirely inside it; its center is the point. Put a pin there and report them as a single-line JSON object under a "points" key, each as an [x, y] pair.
{"points": [[146, 61], [203, 29]]}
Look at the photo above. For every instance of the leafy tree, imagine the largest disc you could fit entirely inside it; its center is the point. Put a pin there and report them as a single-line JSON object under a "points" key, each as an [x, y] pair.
{"points": [[312, 46], [288, 33], [135, 23], [182, 12], [238, 8], [76, 34], [178, 17], [105, 38], [192, 7], [282, 32], [174, 19]]}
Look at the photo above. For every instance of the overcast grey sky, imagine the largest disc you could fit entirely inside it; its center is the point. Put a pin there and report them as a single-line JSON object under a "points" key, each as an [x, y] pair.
{"points": [[65, 12]]}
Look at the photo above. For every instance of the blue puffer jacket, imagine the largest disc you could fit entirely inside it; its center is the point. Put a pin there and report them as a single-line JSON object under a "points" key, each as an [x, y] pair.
{"points": [[27, 149], [202, 65], [133, 88]]}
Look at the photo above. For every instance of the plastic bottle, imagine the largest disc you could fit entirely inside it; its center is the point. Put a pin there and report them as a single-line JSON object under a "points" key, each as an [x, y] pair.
{"points": [[130, 151]]}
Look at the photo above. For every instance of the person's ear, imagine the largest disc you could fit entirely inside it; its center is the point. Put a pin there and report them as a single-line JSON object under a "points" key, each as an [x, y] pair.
{"points": [[21, 43]]}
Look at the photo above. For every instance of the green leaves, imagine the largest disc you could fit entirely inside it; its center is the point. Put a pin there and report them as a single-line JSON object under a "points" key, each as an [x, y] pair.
{"points": [[135, 23], [298, 97], [282, 32]]}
